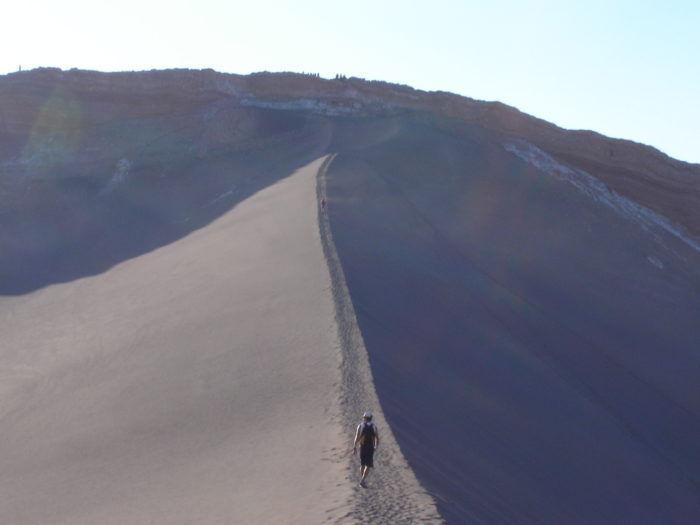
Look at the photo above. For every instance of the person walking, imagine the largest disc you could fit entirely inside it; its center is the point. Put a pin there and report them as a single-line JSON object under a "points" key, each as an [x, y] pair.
{"points": [[367, 437]]}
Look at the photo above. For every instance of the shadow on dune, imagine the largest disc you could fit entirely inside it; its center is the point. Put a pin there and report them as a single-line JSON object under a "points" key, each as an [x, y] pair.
{"points": [[534, 350], [139, 185]]}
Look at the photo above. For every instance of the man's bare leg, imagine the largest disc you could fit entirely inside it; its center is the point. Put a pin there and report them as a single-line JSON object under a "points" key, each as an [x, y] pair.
{"points": [[364, 472]]}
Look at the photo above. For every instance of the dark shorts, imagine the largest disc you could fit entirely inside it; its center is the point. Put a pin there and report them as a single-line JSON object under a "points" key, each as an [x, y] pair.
{"points": [[367, 456]]}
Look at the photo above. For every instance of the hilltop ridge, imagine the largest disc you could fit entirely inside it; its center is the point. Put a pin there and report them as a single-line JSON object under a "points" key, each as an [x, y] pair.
{"points": [[642, 173]]}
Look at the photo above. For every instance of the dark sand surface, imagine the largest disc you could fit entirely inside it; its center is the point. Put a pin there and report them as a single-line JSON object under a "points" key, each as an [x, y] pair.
{"points": [[535, 350]]}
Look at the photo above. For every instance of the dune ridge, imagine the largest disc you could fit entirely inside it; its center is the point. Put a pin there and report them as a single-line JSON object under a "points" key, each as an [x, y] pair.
{"points": [[394, 494], [202, 382]]}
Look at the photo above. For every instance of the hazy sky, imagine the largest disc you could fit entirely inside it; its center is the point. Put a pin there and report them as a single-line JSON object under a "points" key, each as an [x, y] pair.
{"points": [[627, 69]]}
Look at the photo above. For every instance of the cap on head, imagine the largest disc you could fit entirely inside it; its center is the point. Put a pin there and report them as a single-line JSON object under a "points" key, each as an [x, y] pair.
{"points": [[367, 415]]}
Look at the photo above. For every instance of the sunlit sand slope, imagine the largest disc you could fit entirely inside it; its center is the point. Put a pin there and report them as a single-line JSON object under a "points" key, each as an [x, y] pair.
{"points": [[197, 383]]}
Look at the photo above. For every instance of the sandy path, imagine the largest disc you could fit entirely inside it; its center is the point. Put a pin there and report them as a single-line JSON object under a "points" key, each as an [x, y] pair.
{"points": [[198, 383], [394, 496]]}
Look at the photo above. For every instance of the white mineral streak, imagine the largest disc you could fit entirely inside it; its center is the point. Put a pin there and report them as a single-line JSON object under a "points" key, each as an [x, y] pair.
{"points": [[647, 219], [341, 107]]}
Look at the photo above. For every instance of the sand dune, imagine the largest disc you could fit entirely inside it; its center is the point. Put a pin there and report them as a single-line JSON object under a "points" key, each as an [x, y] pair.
{"points": [[200, 383], [184, 338], [194, 384]]}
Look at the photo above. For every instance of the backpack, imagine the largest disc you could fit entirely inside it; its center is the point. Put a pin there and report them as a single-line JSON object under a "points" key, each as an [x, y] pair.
{"points": [[367, 434]]}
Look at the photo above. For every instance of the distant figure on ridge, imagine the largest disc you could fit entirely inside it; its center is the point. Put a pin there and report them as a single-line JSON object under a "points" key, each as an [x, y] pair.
{"points": [[323, 204], [367, 437]]}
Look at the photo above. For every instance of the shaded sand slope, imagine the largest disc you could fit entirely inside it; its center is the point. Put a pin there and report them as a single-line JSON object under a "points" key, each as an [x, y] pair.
{"points": [[534, 345], [198, 383]]}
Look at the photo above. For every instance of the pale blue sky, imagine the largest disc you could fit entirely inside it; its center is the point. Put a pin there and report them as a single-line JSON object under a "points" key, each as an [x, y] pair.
{"points": [[627, 69]]}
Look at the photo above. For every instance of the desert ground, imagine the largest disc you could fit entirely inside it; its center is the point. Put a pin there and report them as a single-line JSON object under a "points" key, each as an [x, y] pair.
{"points": [[187, 336]]}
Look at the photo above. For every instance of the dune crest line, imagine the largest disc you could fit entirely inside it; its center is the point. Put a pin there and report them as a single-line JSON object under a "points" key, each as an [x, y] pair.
{"points": [[394, 494]]}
